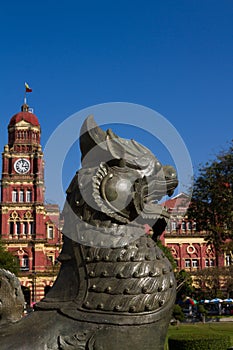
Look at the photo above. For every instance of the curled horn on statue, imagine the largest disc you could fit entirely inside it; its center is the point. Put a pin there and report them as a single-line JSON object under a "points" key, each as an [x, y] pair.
{"points": [[115, 288]]}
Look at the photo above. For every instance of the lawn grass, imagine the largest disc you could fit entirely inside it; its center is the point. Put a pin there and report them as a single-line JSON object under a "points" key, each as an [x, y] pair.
{"points": [[225, 328]]}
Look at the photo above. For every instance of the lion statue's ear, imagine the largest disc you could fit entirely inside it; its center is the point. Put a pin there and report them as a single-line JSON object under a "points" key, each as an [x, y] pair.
{"points": [[116, 150], [98, 146], [92, 142]]}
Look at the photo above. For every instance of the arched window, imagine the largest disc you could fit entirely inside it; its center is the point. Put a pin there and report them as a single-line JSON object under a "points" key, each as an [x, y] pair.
{"points": [[11, 228], [17, 227], [25, 227]]}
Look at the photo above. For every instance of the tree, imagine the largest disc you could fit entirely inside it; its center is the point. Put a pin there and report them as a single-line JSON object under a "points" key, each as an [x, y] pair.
{"points": [[178, 313], [202, 311], [207, 282], [7, 260], [184, 284], [212, 200], [228, 280], [183, 279], [167, 252]]}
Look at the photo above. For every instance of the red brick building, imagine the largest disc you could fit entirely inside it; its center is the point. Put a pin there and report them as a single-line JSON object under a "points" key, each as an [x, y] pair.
{"points": [[29, 228], [187, 244]]}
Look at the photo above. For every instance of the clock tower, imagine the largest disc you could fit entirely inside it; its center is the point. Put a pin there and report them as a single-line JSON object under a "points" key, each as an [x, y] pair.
{"points": [[22, 178], [29, 228]]}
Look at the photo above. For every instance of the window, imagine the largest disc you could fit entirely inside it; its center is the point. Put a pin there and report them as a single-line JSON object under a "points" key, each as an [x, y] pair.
{"points": [[25, 263], [50, 232], [211, 262], [17, 226], [189, 226], [25, 228], [30, 228], [206, 262], [183, 226], [228, 260], [14, 196], [195, 263], [173, 226], [28, 196], [187, 263], [21, 195], [11, 228], [51, 259]]}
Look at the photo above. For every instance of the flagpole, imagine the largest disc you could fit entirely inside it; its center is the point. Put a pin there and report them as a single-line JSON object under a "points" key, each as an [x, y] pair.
{"points": [[27, 89], [25, 97]]}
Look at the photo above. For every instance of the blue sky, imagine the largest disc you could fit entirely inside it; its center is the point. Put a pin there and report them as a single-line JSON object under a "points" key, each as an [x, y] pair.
{"points": [[175, 57]]}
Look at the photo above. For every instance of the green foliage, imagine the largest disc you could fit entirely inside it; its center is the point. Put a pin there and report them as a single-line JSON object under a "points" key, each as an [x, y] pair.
{"points": [[201, 309], [178, 313], [199, 342], [208, 280], [212, 199], [167, 253], [213, 328], [184, 283], [7, 260]]}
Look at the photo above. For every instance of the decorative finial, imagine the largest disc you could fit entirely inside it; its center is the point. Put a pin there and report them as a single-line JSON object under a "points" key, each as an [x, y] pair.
{"points": [[24, 108]]}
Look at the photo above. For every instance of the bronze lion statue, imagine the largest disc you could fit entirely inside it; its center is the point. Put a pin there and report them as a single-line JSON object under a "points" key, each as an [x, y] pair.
{"points": [[115, 289]]}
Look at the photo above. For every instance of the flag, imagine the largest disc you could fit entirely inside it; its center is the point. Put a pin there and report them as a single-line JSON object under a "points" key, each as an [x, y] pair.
{"points": [[27, 87]]}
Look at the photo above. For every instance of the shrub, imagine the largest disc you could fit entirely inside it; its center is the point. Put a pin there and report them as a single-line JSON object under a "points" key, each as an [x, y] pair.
{"points": [[199, 342], [178, 313]]}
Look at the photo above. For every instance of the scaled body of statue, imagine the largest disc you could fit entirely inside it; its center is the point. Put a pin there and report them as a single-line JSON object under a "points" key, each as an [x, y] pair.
{"points": [[11, 298], [115, 289]]}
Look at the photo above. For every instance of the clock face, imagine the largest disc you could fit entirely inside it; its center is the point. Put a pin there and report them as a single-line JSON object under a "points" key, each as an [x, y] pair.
{"points": [[22, 166]]}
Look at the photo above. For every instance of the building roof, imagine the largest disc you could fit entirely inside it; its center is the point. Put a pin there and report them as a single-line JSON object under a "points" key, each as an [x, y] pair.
{"points": [[181, 200], [24, 115]]}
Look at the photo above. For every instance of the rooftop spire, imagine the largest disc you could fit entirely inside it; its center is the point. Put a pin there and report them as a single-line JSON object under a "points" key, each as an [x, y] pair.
{"points": [[24, 108]]}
